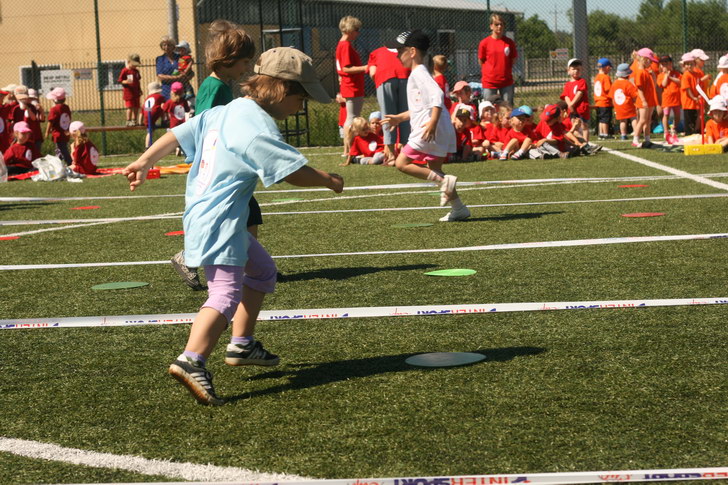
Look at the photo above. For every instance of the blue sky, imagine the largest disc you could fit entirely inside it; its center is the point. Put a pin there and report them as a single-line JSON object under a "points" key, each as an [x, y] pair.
{"points": [[545, 9]]}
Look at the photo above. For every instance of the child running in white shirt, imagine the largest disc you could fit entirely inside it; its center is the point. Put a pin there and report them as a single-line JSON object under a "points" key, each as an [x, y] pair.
{"points": [[433, 136]]}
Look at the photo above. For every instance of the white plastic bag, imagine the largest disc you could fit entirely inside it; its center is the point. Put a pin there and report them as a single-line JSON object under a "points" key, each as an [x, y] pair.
{"points": [[50, 168]]}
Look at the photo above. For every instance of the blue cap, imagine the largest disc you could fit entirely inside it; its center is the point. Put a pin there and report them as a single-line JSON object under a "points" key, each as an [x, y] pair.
{"points": [[375, 114], [604, 62], [526, 110], [623, 70], [518, 112]]}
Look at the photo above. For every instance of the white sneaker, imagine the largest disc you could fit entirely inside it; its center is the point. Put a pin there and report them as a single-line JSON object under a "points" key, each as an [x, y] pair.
{"points": [[447, 187], [456, 215]]}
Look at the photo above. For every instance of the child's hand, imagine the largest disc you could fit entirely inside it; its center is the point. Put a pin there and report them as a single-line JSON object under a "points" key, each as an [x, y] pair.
{"points": [[429, 133], [136, 173], [392, 121], [336, 183]]}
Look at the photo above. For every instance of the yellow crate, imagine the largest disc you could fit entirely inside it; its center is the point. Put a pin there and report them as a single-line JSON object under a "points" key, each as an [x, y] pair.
{"points": [[708, 149]]}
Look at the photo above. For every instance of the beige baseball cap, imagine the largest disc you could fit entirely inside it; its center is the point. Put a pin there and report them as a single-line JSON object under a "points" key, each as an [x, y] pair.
{"points": [[292, 65]]}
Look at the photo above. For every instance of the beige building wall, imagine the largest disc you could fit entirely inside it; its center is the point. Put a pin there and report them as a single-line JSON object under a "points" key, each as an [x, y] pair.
{"points": [[63, 32]]}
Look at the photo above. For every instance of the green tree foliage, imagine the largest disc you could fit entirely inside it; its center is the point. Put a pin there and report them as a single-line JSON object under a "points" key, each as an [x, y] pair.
{"points": [[535, 38]]}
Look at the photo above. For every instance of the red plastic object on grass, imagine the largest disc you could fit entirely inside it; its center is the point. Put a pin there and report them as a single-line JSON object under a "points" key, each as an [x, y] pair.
{"points": [[153, 173], [644, 214]]}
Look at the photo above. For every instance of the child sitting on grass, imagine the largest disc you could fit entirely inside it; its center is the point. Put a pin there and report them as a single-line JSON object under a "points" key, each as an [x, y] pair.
{"points": [[463, 137], [550, 133], [573, 134], [19, 157], [716, 130], [233, 147], [519, 137], [367, 148], [484, 131], [463, 94], [85, 154]]}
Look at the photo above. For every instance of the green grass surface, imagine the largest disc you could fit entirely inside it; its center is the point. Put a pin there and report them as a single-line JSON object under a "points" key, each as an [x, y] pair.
{"points": [[558, 391]]}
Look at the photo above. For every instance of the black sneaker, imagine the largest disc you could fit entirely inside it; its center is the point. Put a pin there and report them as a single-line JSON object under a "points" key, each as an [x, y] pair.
{"points": [[252, 354], [197, 380], [188, 275]]}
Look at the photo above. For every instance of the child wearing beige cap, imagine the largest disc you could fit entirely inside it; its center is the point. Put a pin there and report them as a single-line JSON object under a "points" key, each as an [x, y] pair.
{"points": [[232, 148]]}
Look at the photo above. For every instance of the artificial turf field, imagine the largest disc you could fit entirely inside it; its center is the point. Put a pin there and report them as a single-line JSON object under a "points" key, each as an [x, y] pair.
{"points": [[574, 390]]}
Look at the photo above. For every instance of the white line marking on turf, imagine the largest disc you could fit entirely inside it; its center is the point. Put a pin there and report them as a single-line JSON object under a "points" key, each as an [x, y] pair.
{"points": [[357, 312], [381, 209], [491, 247], [187, 471], [665, 168], [87, 224]]}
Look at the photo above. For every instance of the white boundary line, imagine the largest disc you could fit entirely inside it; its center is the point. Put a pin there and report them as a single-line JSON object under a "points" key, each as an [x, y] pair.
{"points": [[491, 247], [384, 209], [665, 168], [187, 471], [95, 223], [239, 476], [381, 187], [357, 312]]}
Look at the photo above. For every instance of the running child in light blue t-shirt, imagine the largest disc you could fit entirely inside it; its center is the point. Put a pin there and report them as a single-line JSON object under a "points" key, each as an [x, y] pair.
{"points": [[231, 148]]}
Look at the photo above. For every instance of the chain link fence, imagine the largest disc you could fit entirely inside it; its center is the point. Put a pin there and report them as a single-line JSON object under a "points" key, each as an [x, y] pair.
{"points": [[547, 34]]}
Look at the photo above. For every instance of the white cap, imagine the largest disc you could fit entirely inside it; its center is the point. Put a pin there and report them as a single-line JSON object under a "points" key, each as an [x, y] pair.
{"points": [[717, 104], [573, 60], [483, 105], [699, 54], [723, 62]]}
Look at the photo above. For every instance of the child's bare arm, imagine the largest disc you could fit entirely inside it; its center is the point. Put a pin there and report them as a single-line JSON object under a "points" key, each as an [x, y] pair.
{"points": [[136, 172], [311, 177], [394, 120], [577, 97]]}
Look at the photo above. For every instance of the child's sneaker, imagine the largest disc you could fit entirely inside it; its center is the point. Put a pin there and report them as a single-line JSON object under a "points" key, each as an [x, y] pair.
{"points": [[188, 275], [447, 187], [456, 215], [623, 137], [197, 380], [252, 354], [517, 156], [637, 145], [503, 156]]}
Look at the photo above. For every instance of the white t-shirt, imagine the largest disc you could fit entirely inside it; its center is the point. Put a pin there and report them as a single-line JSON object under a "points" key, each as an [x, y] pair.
{"points": [[423, 94]]}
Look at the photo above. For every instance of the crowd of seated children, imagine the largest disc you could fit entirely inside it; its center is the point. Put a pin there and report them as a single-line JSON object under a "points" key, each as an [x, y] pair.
{"points": [[367, 146]]}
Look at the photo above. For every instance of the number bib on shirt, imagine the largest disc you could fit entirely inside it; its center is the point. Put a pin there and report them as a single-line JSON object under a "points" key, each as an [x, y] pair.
{"points": [[64, 121], [207, 161], [598, 88], [93, 155], [619, 97]]}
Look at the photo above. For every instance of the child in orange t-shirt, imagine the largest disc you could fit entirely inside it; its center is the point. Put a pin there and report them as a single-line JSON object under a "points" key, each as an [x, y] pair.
{"points": [[623, 94], [602, 85], [646, 97], [689, 96], [669, 81], [717, 128], [720, 85]]}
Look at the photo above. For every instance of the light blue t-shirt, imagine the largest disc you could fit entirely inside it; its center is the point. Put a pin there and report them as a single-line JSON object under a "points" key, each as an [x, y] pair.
{"points": [[231, 147]]}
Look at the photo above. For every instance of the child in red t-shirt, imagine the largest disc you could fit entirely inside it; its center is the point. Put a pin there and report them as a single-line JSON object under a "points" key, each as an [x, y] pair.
{"points": [[176, 108], [6, 135], [439, 66], [482, 133], [153, 105], [85, 154], [573, 136], [367, 148], [26, 111], [59, 121], [576, 95], [463, 95], [20, 155], [716, 130], [463, 137], [130, 81], [623, 94], [550, 133], [520, 137]]}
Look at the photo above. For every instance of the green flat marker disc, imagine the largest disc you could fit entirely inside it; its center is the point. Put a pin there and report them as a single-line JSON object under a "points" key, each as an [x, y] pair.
{"points": [[414, 224], [452, 272], [287, 200], [119, 285], [444, 359]]}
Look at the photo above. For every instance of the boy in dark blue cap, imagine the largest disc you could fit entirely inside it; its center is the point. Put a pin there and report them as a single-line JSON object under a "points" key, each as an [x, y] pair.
{"points": [[602, 85]]}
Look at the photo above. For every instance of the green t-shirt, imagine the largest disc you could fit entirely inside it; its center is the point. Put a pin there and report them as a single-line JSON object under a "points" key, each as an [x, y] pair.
{"points": [[213, 92]]}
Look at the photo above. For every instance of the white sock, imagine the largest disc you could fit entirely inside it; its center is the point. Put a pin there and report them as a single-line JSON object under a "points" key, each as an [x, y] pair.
{"points": [[434, 177], [635, 139]]}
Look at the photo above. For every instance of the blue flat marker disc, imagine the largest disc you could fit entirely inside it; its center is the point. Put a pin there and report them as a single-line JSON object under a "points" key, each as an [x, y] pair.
{"points": [[444, 359]]}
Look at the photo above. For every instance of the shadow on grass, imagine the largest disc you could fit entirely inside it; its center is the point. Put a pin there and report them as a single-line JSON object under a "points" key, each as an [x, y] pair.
{"points": [[22, 205], [513, 217], [304, 376], [337, 274]]}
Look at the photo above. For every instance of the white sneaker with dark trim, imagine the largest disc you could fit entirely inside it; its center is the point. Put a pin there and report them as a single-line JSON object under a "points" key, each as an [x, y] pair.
{"points": [[456, 215]]}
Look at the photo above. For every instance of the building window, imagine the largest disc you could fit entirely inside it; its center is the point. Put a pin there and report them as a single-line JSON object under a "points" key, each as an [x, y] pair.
{"points": [[109, 74], [30, 75]]}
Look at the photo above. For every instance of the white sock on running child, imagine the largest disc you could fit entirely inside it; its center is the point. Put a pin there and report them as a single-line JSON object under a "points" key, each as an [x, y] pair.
{"points": [[456, 203], [435, 177]]}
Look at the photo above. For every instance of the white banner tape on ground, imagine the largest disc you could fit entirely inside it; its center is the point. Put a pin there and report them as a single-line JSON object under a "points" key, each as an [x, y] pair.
{"points": [[718, 473], [359, 312]]}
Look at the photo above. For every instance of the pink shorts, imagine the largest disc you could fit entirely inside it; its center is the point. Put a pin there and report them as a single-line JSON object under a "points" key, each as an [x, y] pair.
{"points": [[418, 155]]}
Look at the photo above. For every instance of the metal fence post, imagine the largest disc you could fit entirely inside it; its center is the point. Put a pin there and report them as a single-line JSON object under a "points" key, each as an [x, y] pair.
{"points": [[581, 35], [685, 24], [99, 66]]}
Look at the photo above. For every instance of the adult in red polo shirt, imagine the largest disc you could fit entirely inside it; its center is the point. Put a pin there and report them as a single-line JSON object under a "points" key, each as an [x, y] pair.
{"points": [[496, 54], [390, 79], [351, 73]]}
